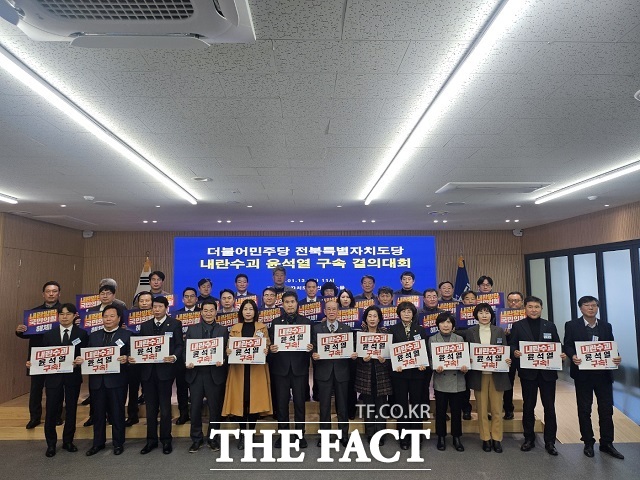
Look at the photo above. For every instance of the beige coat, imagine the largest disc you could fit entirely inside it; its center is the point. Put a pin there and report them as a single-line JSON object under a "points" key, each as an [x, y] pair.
{"points": [[260, 391]]}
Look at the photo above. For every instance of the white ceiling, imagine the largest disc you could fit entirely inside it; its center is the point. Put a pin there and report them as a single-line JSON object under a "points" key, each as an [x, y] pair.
{"points": [[300, 121]]}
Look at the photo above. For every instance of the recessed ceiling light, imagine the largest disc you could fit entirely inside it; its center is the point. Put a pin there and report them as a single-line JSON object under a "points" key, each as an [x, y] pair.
{"points": [[373, 221], [428, 206], [219, 221], [435, 221], [445, 221], [228, 221], [516, 221], [518, 206], [301, 221], [249, 206], [63, 206], [507, 221], [606, 205], [293, 221], [339, 206], [364, 221], [201, 179], [104, 203], [154, 221], [145, 221], [157, 206]]}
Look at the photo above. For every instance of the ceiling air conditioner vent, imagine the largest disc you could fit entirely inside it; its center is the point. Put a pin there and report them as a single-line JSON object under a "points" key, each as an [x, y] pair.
{"points": [[133, 23]]}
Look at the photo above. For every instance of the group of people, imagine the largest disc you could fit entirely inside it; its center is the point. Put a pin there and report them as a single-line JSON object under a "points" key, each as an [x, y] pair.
{"points": [[245, 393]]}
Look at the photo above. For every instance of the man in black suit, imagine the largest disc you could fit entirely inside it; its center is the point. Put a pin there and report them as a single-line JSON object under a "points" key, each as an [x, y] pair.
{"points": [[514, 300], [206, 380], [157, 378], [536, 329], [332, 374], [589, 328], [109, 391], [51, 295], [189, 301], [63, 386], [290, 370]]}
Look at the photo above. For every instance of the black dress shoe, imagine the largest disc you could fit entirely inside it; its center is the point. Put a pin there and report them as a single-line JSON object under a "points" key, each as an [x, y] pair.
{"points": [[86, 401], [182, 419], [131, 421], [141, 400], [195, 446], [303, 443], [69, 447], [508, 416], [527, 445], [241, 443], [148, 447], [441, 445], [214, 445], [588, 450], [93, 450], [33, 424], [611, 450], [118, 450], [497, 446], [59, 421], [89, 422], [486, 445], [51, 451], [458, 444], [466, 416], [551, 448], [167, 448]]}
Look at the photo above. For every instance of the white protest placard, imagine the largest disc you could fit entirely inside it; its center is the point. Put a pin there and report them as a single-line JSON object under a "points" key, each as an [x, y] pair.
{"points": [[597, 355], [373, 344], [247, 350], [489, 358], [411, 354], [292, 338], [98, 360], [151, 349], [449, 355], [48, 360], [332, 346], [541, 355], [204, 351]]}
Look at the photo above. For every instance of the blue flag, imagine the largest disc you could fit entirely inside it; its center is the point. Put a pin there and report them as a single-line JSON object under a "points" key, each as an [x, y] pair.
{"points": [[462, 280]]}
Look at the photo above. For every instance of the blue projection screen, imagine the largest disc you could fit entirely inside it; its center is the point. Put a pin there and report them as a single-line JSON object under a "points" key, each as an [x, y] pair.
{"points": [[342, 260]]}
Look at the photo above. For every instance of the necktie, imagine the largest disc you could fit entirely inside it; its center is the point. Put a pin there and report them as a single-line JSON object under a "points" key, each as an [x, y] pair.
{"points": [[407, 331], [65, 337], [332, 328], [107, 338]]}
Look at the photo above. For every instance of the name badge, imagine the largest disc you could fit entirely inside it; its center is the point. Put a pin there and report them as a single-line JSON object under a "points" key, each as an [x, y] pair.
{"points": [[594, 338], [169, 334], [259, 334], [547, 335], [75, 341], [499, 341], [417, 337], [119, 343]]}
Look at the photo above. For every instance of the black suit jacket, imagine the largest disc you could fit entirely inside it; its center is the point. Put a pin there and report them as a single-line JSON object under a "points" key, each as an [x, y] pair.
{"points": [[520, 331], [323, 368], [281, 362], [165, 371], [576, 331], [111, 380], [218, 374], [416, 333], [52, 338]]}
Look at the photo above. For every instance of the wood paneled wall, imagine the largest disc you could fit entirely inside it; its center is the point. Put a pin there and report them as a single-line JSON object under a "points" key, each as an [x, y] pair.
{"points": [[121, 255], [32, 254], [608, 226]]}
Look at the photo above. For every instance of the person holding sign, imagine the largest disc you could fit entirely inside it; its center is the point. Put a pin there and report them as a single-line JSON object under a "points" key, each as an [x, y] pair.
{"points": [[290, 369], [157, 378], [448, 385], [408, 384], [63, 386], [109, 390], [332, 375], [514, 300], [373, 377], [248, 392], [536, 329], [588, 328], [488, 387], [206, 379]]}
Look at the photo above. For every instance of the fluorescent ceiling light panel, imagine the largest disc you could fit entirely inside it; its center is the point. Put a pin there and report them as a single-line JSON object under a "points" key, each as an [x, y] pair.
{"points": [[8, 199], [590, 182], [508, 13], [38, 85]]}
